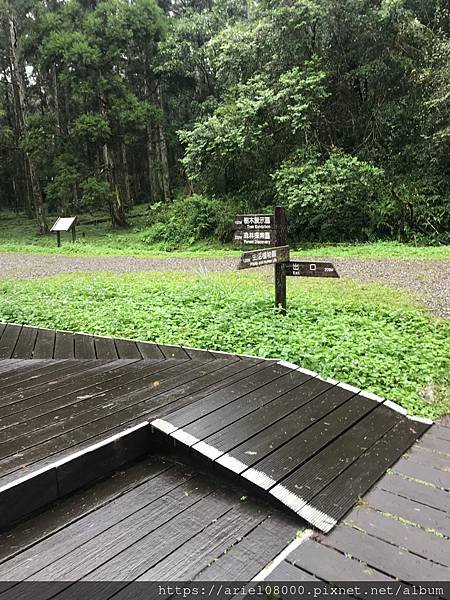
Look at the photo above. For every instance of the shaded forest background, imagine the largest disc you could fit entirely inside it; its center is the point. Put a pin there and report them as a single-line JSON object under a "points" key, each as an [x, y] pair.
{"points": [[338, 109]]}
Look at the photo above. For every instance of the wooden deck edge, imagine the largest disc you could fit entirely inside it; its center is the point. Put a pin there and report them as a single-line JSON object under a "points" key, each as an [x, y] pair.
{"points": [[110, 337], [31, 493], [389, 403], [298, 541]]}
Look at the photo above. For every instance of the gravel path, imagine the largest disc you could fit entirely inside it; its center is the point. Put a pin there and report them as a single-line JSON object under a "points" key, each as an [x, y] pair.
{"points": [[428, 279]]}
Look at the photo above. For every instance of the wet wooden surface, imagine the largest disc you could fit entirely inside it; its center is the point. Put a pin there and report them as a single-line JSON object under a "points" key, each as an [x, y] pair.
{"points": [[157, 520], [261, 420], [399, 531], [315, 446]]}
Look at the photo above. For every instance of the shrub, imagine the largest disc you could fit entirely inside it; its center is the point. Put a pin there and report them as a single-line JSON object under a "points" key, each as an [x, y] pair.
{"points": [[333, 200], [192, 219]]}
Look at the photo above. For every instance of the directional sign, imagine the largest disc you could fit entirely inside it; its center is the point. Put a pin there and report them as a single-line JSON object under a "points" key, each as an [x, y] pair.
{"points": [[310, 269], [254, 222], [260, 258], [255, 238]]}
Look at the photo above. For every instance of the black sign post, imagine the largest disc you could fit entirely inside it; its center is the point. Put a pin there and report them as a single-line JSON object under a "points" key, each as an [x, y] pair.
{"points": [[272, 230], [280, 268]]}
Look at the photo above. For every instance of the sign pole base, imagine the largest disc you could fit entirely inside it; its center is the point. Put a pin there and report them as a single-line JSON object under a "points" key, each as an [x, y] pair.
{"points": [[280, 288]]}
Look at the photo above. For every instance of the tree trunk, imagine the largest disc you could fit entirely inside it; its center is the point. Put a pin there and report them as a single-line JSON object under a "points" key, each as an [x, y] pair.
{"points": [[126, 176], [164, 161], [152, 166], [117, 208], [20, 95]]}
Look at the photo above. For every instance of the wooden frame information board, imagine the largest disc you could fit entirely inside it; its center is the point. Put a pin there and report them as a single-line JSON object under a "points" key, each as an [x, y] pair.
{"points": [[65, 224]]}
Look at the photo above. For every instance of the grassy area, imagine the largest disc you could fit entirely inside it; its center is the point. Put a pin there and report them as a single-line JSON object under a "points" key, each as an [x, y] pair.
{"points": [[18, 234], [367, 335]]}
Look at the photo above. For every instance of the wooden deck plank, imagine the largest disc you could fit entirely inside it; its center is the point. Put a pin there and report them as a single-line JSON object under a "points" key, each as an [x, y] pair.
{"points": [[54, 370], [63, 402], [129, 409], [45, 344], [441, 432], [149, 350], [105, 348], [437, 477], [207, 546], [428, 458], [84, 346], [263, 543], [218, 375], [314, 476], [210, 424], [247, 384], [29, 393], [173, 351], [385, 557], [307, 444], [286, 571], [435, 443], [8, 340], [295, 405], [177, 532], [80, 505], [64, 345], [107, 556], [340, 495], [425, 494], [127, 349], [424, 516], [71, 538], [261, 447], [25, 343], [7, 365], [328, 564], [414, 539], [36, 431], [199, 354], [18, 370]]}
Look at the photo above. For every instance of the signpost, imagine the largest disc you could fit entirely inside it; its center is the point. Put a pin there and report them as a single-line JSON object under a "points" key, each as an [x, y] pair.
{"points": [[65, 224], [310, 269], [260, 258], [272, 230]]}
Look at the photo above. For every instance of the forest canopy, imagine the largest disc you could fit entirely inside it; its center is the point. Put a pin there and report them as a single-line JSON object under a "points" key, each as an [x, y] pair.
{"points": [[337, 109]]}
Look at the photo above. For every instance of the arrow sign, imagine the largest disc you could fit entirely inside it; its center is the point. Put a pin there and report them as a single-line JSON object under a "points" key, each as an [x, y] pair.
{"points": [[310, 269], [260, 258]]}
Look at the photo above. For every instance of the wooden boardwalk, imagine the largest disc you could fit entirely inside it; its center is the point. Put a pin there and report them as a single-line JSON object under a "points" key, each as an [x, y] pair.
{"points": [[399, 531], [282, 433], [315, 446], [157, 520]]}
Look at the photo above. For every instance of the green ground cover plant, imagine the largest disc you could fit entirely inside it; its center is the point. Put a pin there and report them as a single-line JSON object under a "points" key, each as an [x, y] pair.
{"points": [[97, 238], [373, 337]]}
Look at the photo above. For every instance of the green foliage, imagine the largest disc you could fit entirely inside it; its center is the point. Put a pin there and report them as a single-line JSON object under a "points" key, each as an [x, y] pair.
{"points": [[96, 193], [223, 151], [366, 335], [97, 238], [92, 128], [336, 199], [190, 220]]}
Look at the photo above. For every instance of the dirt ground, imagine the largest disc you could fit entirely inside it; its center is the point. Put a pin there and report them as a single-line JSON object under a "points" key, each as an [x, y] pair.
{"points": [[427, 279]]}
